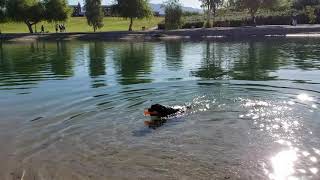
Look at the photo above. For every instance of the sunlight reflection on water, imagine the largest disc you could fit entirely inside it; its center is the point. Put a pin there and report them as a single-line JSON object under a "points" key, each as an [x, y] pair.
{"points": [[279, 120], [287, 164], [304, 97], [283, 164]]}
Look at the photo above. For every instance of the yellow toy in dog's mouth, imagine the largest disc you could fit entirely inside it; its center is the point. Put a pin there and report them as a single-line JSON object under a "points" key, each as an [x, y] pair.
{"points": [[147, 112]]}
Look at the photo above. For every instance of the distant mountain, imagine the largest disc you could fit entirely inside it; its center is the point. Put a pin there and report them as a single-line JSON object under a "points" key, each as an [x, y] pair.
{"points": [[158, 8]]}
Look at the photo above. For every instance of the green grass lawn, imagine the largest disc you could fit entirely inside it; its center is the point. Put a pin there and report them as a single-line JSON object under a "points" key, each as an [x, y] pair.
{"points": [[79, 24]]}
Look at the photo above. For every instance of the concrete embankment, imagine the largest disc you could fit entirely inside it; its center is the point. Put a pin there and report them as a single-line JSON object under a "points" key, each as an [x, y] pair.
{"points": [[197, 34]]}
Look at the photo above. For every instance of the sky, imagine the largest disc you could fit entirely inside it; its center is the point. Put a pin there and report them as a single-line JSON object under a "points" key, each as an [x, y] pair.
{"points": [[187, 3]]}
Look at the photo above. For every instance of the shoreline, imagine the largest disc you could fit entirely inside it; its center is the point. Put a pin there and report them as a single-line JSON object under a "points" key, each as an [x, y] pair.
{"points": [[185, 34]]}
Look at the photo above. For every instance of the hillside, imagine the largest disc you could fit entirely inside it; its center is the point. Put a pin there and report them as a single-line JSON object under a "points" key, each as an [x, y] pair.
{"points": [[158, 8]]}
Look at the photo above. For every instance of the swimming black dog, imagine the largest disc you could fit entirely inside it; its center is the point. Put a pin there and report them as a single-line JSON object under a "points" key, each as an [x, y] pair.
{"points": [[161, 111], [159, 115]]}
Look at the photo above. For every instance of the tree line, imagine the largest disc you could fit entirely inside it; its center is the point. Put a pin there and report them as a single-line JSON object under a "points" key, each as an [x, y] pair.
{"points": [[253, 6], [31, 12], [211, 7]]}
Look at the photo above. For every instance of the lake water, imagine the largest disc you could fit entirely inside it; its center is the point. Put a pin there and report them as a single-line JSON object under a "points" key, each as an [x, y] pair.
{"points": [[74, 110]]}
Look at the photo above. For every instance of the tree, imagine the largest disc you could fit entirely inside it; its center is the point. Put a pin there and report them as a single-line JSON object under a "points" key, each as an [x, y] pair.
{"points": [[134, 9], [32, 12], [28, 11], [79, 9], [310, 12], [301, 4], [2, 3], [94, 14], [254, 5], [211, 7], [231, 4], [173, 14], [56, 10], [205, 4], [2, 10]]}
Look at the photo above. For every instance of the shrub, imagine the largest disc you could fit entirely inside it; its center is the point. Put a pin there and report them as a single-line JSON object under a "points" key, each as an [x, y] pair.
{"points": [[310, 13], [317, 15], [188, 13], [189, 25], [260, 20], [161, 26], [237, 19], [301, 4]]}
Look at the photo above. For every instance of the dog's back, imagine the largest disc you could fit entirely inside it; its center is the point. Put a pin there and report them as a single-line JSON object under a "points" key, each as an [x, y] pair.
{"points": [[163, 110]]}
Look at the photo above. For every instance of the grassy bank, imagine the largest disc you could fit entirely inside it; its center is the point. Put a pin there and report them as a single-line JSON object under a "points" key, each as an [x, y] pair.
{"points": [[232, 18], [228, 15], [79, 24]]}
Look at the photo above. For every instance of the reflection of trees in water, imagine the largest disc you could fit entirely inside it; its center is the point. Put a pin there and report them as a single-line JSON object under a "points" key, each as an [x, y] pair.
{"points": [[211, 67], [174, 55], [133, 61], [306, 54], [61, 62], [29, 63], [22, 59], [97, 66], [3, 63], [97, 59], [254, 62], [257, 63]]}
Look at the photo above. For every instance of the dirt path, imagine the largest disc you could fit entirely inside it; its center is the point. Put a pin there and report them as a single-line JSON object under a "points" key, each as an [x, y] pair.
{"points": [[195, 34]]}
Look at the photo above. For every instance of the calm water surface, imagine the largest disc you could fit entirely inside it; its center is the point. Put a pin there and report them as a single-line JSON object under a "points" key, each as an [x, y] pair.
{"points": [[74, 110]]}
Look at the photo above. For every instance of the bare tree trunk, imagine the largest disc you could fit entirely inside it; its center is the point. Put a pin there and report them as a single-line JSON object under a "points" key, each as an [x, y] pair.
{"points": [[29, 26], [94, 29], [254, 20], [208, 17], [131, 23], [253, 16], [214, 15]]}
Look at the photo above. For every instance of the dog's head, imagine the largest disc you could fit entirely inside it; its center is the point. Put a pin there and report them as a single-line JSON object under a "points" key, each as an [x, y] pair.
{"points": [[160, 111], [155, 110]]}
